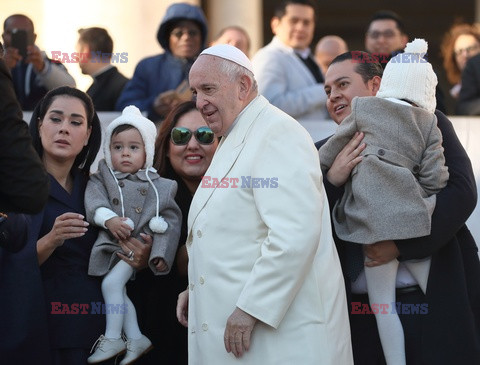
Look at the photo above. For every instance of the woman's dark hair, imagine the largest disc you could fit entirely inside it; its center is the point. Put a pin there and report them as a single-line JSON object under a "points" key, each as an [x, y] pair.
{"points": [[161, 162], [86, 157]]}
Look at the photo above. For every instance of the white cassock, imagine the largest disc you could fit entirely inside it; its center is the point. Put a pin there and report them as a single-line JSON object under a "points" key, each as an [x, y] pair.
{"points": [[266, 247]]}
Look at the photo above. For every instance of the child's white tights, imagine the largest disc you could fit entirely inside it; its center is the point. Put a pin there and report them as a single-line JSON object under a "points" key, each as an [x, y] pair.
{"points": [[381, 290], [115, 294]]}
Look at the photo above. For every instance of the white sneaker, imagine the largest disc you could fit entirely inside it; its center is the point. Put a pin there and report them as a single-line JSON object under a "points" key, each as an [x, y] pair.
{"points": [[105, 349], [135, 349]]}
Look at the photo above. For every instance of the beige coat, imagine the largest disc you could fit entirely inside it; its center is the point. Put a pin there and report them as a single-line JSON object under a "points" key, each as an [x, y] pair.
{"points": [[390, 195], [266, 247]]}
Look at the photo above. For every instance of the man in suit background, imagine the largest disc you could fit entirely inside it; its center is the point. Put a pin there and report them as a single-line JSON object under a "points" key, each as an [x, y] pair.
{"points": [[449, 330], [265, 281], [108, 82], [287, 74]]}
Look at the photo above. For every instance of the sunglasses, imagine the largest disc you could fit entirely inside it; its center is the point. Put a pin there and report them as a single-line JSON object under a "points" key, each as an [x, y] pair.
{"points": [[180, 136]]}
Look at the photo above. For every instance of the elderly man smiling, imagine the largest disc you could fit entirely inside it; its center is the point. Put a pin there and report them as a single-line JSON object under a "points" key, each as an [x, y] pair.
{"points": [[265, 281]]}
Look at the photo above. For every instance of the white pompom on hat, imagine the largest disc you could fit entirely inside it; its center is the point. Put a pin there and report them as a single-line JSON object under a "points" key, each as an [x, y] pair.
{"points": [[131, 115], [409, 76], [230, 53]]}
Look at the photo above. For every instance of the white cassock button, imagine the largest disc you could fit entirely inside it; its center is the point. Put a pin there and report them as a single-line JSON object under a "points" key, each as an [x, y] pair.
{"points": [[205, 327], [202, 280], [191, 286], [192, 330], [199, 234]]}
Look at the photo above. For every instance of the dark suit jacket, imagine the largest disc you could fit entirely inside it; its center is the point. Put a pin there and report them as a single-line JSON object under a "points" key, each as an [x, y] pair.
{"points": [[106, 89], [451, 329], [23, 179], [469, 99], [28, 328]]}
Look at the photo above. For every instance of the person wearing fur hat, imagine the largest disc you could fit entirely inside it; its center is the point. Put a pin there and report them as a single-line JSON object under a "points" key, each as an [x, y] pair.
{"points": [[391, 193], [126, 197], [161, 82]]}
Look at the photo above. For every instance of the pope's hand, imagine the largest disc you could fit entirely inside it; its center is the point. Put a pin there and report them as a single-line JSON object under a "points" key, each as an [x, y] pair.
{"points": [[238, 332]]}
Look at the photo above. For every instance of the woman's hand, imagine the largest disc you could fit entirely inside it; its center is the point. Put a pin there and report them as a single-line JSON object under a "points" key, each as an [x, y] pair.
{"points": [[65, 227], [136, 253]]}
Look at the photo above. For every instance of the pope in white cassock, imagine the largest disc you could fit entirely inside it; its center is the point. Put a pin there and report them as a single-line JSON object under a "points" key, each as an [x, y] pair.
{"points": [[265, 283]]}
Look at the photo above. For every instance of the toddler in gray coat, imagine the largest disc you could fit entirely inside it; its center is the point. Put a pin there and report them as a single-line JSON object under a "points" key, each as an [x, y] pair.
{"points": [[126, 197], [391, 193]]}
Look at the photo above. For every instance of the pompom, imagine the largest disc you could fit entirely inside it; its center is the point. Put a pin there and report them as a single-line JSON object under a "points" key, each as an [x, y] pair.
{"points": [[131, 110], [158, 224], [129, 222], [418, 45]]}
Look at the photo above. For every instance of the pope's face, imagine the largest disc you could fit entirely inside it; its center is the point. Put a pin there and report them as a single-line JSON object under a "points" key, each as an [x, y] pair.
{"points": [[218, 96]]}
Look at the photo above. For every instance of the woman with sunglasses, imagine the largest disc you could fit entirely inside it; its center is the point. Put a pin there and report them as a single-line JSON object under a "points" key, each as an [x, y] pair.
{"points": [[183, 152]]}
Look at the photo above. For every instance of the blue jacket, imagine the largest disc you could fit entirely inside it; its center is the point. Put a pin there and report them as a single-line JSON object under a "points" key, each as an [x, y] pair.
{"points": [[163, 72]]}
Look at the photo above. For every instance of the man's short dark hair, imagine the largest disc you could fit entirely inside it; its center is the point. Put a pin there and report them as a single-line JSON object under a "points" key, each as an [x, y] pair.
{"points": [[97, 39], [281, 7], [18, 16], [388, 15], [366, 66]]}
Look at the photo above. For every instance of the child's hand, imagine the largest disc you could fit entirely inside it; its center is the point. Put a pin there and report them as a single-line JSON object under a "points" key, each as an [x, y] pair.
{"points": [[119, 229], [160, 264]]}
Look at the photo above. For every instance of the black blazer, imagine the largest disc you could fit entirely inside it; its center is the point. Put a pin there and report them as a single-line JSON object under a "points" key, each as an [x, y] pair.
{"points": [[23, 179], [106, 89], [451, 329]]}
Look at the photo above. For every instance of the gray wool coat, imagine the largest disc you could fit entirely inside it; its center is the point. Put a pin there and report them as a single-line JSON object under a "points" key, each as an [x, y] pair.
{"points": [[391, 193], [139, 203]]}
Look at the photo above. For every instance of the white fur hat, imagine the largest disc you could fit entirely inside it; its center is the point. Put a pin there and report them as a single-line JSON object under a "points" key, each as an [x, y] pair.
{"points": [[131, 115], [230, 53], [409, 76]]}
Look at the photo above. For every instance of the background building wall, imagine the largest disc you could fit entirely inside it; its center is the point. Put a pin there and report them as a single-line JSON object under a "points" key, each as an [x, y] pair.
{"points": [[133, 24]]}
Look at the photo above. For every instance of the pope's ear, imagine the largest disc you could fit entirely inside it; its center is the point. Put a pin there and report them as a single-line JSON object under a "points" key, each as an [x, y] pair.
{"points": [[245, 86]]}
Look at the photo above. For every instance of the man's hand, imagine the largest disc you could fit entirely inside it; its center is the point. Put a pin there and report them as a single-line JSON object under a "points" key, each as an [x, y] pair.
{"points": [[182, 308], [138, 259], [11, 57], [346, 160], [238, 332], [35, 57], [380, 253]]}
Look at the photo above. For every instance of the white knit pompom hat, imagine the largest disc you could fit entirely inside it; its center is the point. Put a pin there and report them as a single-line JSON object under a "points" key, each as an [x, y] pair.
{"points": [[131, 115], [409, 76]]}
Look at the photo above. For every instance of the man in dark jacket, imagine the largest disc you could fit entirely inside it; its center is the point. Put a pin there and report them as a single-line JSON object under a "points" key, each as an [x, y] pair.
{"points": [[23, 179], [95, 47], [161, 82], [442, 326]]}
